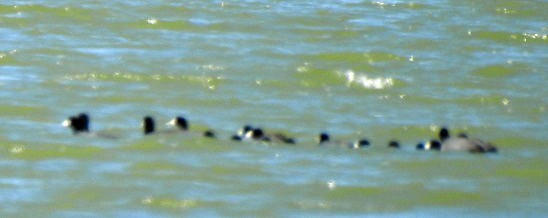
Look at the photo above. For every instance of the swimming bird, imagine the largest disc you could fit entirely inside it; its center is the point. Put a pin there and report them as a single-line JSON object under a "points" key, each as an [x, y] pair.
{"points": [[360, 144], [240, 135], [433, 144], [258, 134], [182, 126], [325, 140], [180, 122], [463, 143], [78, 124]]}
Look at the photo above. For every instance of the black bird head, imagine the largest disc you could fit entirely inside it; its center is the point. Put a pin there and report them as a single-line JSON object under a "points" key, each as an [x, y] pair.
{"points": [[430, 145], [236, 138], [444, 134], [420, 146], [244, 130], [361, 143], [394, 144], [323, 137], [209, 134], [434, 145], [148, 125], [78, 123], [257, 133], [84, 121], [180, 122]]}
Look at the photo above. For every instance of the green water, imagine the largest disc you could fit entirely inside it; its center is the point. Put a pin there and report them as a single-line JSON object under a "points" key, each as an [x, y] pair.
{"points": [[377, 69]]}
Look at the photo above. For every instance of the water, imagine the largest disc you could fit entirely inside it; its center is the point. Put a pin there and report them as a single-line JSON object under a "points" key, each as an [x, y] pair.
{"points": [[380, 69]]}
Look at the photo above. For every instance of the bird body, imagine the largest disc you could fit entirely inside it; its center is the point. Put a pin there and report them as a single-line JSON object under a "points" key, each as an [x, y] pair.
{"points": [[463, 143]]}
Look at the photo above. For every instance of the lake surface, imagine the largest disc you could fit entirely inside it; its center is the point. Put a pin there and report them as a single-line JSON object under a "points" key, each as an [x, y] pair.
{"points": [[378, 69]]}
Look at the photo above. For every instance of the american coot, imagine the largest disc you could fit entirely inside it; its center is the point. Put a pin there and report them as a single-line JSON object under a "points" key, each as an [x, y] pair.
{"points": [[258, 134], [240, 135], [325, 140], [430, 145], [80, 125], [463, 143], [180, 122]]}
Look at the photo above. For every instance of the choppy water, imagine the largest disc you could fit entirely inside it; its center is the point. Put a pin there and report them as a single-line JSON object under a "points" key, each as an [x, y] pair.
{"points": [[381, 69]]}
